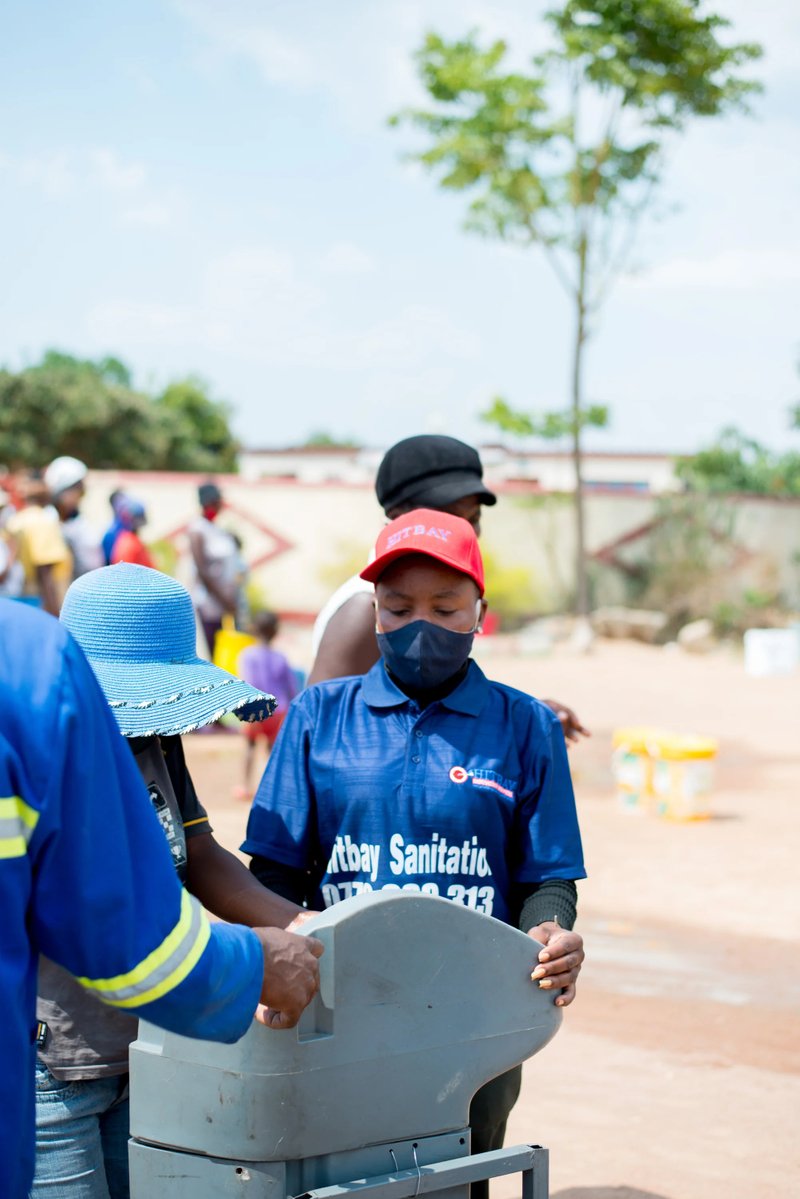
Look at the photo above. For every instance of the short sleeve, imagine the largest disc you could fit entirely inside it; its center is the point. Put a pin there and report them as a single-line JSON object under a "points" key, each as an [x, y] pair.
{"points": [[107, 904], [193, 814], [547, 839], [282, 823], [46, 545]]}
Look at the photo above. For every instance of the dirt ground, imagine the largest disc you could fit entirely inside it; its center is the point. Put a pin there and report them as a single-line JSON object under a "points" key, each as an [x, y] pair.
{"points": [[676, 1073]]}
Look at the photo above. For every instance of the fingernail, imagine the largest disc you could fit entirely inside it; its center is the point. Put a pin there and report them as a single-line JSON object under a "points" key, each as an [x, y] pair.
{"points": [[545, 983], [544, 956], [538, 972]]}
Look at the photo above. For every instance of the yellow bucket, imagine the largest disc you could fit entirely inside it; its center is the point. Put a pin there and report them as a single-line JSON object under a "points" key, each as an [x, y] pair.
{"points": [[228, 645], [632, 766], [683, 776]]}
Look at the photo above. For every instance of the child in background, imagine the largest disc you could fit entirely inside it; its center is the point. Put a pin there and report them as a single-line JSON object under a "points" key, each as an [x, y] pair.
{"points": [[261, 661]]}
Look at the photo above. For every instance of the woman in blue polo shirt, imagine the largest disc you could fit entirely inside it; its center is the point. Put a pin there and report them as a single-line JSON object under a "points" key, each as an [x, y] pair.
{"points": [[424, 775]]}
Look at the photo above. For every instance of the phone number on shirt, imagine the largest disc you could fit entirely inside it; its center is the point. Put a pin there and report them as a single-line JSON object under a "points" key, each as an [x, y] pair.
{"points": [[480, 899]]}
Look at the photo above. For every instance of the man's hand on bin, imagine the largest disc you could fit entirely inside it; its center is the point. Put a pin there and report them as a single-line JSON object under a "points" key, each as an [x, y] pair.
{"points": [[559, 962], [291, 976]]}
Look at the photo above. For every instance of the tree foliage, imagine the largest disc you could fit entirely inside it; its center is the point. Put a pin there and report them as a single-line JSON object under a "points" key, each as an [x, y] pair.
{"points": [[90, 409], [566, 155], [320, 439], [739, 464], [550, 426]]}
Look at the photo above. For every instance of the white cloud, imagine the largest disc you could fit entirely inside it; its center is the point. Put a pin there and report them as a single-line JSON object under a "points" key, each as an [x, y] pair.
{"points": [[152, 214], [240, 30], [363, 63], [68, 173], [729, 269], [109, 171], [344, 258], [256, 303], [775, 26], [145, 83], [141, 323], [52, 172]]}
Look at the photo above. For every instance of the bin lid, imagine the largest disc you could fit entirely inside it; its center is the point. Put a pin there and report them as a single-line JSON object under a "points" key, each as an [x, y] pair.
{"points": [[638, 739], [677, 748], [421, 1002]]}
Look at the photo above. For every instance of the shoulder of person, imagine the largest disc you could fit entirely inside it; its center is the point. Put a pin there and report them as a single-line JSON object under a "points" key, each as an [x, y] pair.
{"points": [[524, 706], [330, 692]]}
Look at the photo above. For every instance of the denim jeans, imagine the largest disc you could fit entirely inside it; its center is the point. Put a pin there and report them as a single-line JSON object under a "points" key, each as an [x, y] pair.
{"points": [[81, 1137]]}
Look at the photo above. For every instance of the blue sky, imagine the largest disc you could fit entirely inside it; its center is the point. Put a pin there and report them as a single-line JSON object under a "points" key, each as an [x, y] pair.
{"points": [[210, 187]]}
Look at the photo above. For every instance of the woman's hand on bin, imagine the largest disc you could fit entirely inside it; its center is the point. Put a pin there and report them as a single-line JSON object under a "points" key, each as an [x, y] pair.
{"points": [[291, 976], [560, 960]]}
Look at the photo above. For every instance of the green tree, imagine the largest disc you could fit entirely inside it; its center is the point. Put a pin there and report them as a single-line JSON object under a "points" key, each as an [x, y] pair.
{"points": [[567, 156], [197, 428], [67, 405], [739, 464], [321, 440], [89, 409]]}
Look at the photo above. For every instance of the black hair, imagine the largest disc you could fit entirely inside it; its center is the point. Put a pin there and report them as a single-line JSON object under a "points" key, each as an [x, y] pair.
{"points": [[266, 624]]}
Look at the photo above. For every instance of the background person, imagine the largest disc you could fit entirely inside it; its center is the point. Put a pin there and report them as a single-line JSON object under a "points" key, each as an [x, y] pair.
{"points": [[426, 471], [268, 670], [43, 553], [12, 576], [65, 479], [75, 829], [216, 564], [114, 529], [425, 775], [128, 545], [136, 627]]}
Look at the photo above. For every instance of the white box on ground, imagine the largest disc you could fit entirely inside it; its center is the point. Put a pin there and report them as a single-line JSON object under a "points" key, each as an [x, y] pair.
{"points": [[770, 652]]}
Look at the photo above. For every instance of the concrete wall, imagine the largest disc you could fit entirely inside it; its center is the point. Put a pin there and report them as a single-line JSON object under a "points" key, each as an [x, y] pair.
{"points": [[302, 539]]}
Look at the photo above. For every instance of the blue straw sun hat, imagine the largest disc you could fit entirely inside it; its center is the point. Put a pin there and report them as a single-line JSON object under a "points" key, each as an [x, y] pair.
{"points": [[137, 628]]}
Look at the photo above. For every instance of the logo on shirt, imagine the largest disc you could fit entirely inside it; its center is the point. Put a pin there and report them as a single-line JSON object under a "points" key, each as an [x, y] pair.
{"points": [[172, 831], [484, 778]]}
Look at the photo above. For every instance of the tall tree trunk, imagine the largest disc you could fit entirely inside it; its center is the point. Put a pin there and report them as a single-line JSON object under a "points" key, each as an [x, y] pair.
{"points": [[581, 580]]}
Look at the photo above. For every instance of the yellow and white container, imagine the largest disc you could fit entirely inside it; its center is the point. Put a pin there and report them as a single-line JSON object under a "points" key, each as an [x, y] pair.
{"points": [[632, 765], [683, 777]]}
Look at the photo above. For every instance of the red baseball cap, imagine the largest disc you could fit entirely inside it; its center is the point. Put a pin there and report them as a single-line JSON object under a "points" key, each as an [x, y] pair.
{"points": [[440, 535]]}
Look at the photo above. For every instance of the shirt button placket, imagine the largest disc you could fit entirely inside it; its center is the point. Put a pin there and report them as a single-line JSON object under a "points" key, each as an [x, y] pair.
{"points": [[416, 758]]}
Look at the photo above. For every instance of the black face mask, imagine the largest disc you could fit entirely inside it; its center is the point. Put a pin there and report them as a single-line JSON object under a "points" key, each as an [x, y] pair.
{"points": [[423, 654]]}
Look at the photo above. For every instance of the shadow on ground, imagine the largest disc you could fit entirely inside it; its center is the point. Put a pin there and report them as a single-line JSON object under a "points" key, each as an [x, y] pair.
{"points": [[606, 1193]]}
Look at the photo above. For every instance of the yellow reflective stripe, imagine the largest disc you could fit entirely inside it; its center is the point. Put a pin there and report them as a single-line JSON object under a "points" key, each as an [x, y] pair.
{"points": [[14, 806], [165, 967], [13, 847], [17, 822], [177, 976], [200, 820]]}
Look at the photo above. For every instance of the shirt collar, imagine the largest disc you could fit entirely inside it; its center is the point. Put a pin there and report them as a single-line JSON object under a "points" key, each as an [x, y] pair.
{"points": [[469, 697]]}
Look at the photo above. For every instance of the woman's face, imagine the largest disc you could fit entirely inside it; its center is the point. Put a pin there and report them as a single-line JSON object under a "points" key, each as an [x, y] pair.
{"points": [[417, 587]]}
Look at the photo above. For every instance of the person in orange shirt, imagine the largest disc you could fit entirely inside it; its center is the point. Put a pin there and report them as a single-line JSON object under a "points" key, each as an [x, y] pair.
{"points": [[129, 546]]}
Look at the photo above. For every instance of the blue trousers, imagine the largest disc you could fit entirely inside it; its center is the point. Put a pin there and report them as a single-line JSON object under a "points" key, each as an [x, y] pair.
{"points": [[81, 1137]]}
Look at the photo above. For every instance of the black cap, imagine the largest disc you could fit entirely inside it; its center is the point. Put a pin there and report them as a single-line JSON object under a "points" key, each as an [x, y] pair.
{"points": [[208, 493], [430, 471]]}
